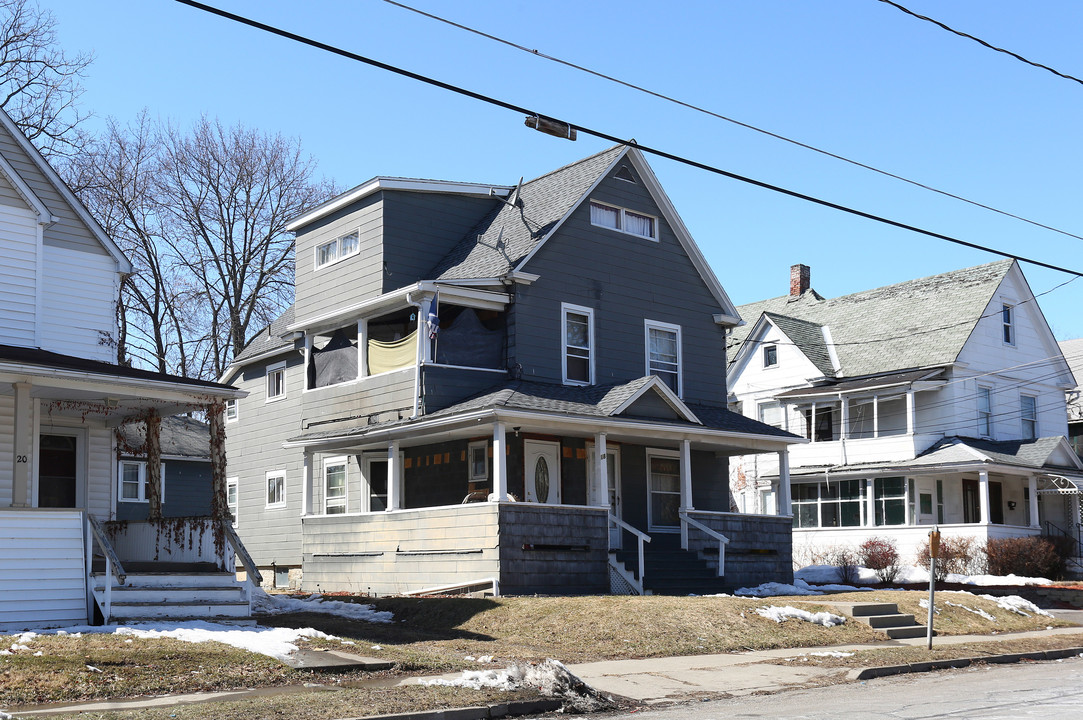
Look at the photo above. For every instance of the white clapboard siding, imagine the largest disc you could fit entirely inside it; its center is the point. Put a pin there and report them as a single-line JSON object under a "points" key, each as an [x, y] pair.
{"points": [[42, 569], [78, 303], [18, 276], [102, 474]]}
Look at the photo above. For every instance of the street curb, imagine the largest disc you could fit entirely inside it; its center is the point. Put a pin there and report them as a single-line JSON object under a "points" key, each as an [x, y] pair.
{"points": [[480, 712], [887, 670]]}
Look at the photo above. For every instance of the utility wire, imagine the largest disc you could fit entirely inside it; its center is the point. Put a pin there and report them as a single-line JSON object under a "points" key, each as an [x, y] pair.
{"points": [[748, 126], [978, 40], [611, 138]]}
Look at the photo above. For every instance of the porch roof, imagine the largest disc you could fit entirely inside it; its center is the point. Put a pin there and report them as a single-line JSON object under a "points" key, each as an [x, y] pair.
{"points": [[521, 400], [866, 384], [967, 454]]}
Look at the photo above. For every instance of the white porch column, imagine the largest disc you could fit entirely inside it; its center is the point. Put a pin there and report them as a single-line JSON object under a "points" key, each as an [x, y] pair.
{"points": [[844, 418], [500, 462], [602, 469], [785, 503], [870, 502], [812, 424], [876, 416], [306, 484], [1032, 485], [983, 496], [394, 477], [362, 348], [686, 475], [423, 331], [911, 419], [24, 446]]}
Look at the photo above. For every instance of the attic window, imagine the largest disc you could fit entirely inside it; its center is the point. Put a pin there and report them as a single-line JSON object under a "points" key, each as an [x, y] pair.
{"points": [[770, 356], [625, 174], [1007, 314], [622, 220], [338, 249]]}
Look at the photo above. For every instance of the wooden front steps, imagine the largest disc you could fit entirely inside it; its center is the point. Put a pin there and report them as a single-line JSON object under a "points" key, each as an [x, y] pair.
{"points": [[176, 597]]}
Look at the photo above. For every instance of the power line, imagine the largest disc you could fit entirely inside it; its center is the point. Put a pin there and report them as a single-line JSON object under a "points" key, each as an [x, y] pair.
{"points": [[748, 126], [611, 138], [978, 40]]}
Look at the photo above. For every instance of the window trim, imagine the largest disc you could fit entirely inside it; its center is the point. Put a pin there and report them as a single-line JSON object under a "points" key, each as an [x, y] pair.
{"points": [[339, 257], [622, 220], [649, 325], [367, 458], [234, 508], [771, 404], [483, 445], [565, 310], [985, 417], [1007, 323], [142, 464], [278, 504], [236, 406], [1023, 419], [271, 370], [772, 348], [337, 461]]}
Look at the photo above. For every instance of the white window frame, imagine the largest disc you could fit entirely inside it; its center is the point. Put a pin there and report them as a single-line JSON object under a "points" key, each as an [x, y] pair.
{"points": [[1007, 320], [142, 498], [338, 256], [669, 454], [233, 483], [366, 474], [565, 310], [332, 462], [232, 405], [985, 417], [649, 325], [772, 404], [771, 348], [1024, 420], [483, 446], [275, 369], [622, 222], [281, 502]]}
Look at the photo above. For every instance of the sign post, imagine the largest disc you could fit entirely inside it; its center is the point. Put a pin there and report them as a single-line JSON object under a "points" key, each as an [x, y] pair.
{"points": [[934, 553]]}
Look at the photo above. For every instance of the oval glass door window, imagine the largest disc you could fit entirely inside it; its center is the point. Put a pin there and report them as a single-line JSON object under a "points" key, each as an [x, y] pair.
{"points": [[541, 480]]}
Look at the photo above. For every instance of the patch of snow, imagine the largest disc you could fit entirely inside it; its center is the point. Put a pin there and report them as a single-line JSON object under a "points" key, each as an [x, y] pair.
{"points": [[823, 574], [831, 653], [979, 613], [773, 589], [265, 604], [91, 668], [829, 574], [781, 614], [924, 602], [1017, 605], [550, 678]]}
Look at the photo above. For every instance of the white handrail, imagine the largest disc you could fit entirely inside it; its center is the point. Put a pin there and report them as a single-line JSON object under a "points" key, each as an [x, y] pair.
{"points": [[723, 541], [113, 568], [641, 537]]}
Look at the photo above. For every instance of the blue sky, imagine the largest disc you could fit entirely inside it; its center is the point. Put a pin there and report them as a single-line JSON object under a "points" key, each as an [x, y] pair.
{"points": [[855, 77]]}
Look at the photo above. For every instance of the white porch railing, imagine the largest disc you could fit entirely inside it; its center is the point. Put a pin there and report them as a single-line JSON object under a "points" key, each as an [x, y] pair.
{"points": [[723, 541], [641, 539], [255, 578], [113, 567]]}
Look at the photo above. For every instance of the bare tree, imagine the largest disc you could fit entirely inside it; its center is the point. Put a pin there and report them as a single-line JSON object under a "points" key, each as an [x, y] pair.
{"points": [[39, 83], [228, 194]]}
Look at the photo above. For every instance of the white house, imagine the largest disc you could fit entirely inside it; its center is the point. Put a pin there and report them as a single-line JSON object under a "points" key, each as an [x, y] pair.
{"points": [[62, 397], [938, 401]]}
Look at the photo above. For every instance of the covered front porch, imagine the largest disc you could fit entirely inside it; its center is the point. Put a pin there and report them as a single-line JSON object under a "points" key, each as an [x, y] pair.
{"points": [[524, 490]]}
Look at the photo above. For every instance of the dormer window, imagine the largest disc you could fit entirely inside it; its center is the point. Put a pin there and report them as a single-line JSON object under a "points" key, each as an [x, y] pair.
{"points": [[1007, 315], [338, 249], [622, 220], [770, 356]]}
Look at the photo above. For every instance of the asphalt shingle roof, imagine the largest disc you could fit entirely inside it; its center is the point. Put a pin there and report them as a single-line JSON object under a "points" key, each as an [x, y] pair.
{"points": [[180, 436], [918, 323], [808, 336], [508, 234], [269, 339]]}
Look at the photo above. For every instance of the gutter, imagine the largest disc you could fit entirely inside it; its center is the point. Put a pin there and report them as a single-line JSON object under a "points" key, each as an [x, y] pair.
{"points": [[83, 375]]}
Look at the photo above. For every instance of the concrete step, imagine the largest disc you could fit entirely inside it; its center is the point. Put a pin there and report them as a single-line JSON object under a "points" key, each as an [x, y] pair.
{"points": [[862, 609], [914, 631], [894, 620]]}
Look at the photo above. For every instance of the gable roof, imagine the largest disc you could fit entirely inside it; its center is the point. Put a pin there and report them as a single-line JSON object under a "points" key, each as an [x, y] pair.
{"points": [[270, 339], [809, 339], [888, 328]]}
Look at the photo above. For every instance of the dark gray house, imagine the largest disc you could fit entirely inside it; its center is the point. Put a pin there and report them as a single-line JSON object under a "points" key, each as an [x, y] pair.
{"points": [[186, 469], [520, 387]]}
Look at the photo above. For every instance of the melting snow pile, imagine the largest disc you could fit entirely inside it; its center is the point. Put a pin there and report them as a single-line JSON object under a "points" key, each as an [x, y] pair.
{"points": [[549, 678], [831, 653], [800, 587], [780, 614], [265, 604], [273, 642], [827, 574], [924, 602], [1017, 605]]}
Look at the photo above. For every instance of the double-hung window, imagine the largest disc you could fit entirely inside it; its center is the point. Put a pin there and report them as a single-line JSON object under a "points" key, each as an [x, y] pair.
{"points": [[622, 220], [664, 353], [985, 412], [1007, 316], [276, 489], [890, 498], [479, 460], [334, 486], [1028, 408], [334, 250], [664, 489], [770, 413], [231, 410], [232, 499], [276, 381], [133, 482], [578, 344]]}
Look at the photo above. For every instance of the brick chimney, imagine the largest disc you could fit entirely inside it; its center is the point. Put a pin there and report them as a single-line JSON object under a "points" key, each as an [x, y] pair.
{"points": [[800, 279]]}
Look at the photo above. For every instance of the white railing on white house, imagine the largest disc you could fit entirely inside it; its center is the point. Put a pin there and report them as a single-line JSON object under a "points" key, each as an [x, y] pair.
{"points": [[641, 539], [723, 541], [113, 567]]}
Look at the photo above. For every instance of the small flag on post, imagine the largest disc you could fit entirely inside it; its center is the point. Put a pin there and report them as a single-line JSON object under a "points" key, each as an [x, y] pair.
{"points": [[433, 320]]}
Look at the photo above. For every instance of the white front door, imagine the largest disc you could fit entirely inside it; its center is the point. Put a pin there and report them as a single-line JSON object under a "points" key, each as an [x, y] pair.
{"points": [[613, 469], [541, 465]]}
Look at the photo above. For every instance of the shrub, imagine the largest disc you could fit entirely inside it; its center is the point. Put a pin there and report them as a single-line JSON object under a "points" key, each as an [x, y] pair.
{"points": [[880, 554], [1026, 556], [956, 556], [847, 562]]}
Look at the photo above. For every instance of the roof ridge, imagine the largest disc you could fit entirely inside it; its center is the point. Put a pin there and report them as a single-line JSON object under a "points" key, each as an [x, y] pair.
{"points": [[572, 164]]}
